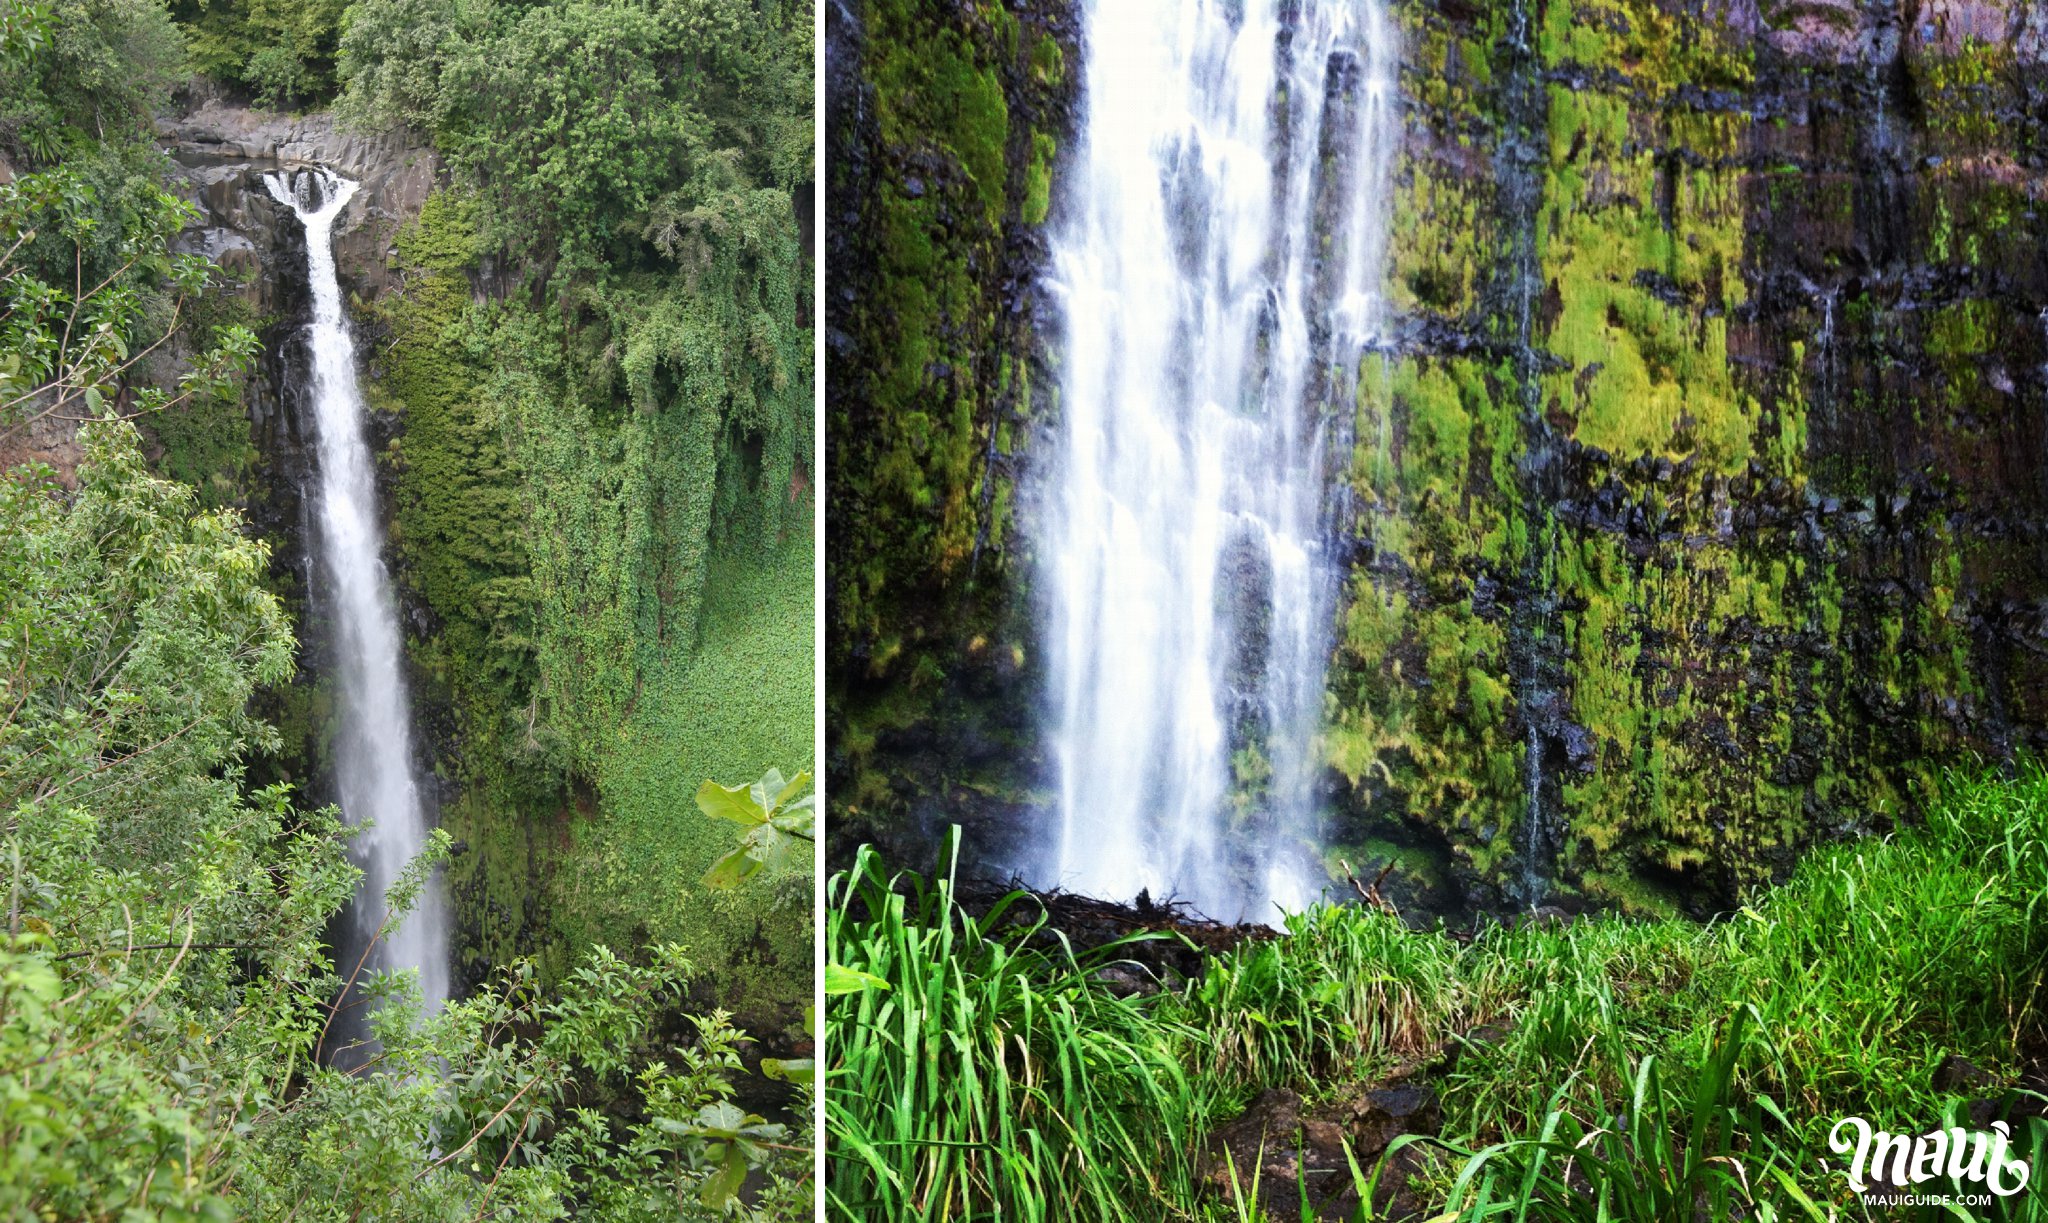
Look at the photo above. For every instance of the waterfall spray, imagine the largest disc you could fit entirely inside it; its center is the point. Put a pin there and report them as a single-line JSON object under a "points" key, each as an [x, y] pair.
{"points": [[373, 742], [1219, 270]]}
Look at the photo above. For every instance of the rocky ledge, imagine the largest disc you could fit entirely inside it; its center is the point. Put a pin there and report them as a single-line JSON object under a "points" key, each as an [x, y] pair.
{"points": [[225, 148]]}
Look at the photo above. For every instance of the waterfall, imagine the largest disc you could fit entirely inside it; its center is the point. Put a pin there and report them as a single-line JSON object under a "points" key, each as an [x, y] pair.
{"points": [[1218, 267], [373, 742]]}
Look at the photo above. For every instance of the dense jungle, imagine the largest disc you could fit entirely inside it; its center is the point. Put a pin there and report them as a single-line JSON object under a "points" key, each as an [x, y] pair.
{"points": [[553, 260], [1671, 769]]}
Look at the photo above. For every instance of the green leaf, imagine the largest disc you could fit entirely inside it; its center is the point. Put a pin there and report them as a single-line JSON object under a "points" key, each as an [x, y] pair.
{"points": [[719, 1188], [799, 824], [722, 1119], [801, 1070], [840, 979], [734, 803], [732, 870], [766, 789], [790, 791]]}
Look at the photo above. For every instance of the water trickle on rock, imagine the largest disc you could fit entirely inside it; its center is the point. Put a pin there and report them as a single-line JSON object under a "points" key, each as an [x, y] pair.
{"points": [[1219, 269], [373, 757], [1533, 639]]}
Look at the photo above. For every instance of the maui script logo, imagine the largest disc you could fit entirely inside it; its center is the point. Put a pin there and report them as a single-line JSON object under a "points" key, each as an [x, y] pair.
{"points": [[1896, 1162]]}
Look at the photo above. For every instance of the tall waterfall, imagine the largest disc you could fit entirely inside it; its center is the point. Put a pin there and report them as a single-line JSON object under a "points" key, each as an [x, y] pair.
{"points": [[1219, 265], [373, 741]]}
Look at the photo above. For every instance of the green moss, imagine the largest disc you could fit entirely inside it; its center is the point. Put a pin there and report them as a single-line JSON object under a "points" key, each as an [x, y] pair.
{"points": [[605, 517], [1038, 180], [943, 92], [461, 507], [205, 441]]}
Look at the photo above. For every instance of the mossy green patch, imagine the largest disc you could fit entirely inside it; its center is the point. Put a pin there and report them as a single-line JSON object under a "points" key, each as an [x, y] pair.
{"points": [[739, 704]]}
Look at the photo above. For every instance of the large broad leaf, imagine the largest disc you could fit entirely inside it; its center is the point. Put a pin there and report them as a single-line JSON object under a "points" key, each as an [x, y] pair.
{"points": [[722, 1119], [796, 786], [800, 1070], [765, 790], [734, 803], [733, 869], [781, 825], [719, 1189]]}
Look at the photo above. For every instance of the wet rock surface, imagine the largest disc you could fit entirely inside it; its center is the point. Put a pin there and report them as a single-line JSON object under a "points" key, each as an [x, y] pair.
{"points": [[223, 150], [1702, 514], [945, 130]]}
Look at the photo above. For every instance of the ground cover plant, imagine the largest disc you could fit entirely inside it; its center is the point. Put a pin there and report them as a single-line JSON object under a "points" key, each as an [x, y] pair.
{"points": [[1607, 1068]]}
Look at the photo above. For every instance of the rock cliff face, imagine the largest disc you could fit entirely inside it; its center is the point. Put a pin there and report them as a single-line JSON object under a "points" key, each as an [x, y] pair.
{"points": [[222, 152], [943, 133], [1702, 492]]}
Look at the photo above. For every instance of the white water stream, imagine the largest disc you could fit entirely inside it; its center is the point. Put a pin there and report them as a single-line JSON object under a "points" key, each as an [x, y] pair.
{"points": [[1219, 266], [373, 742]]}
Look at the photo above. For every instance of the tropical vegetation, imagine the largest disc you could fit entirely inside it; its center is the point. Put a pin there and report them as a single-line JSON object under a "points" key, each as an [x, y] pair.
{"points": [[1609, 1068], [599, 495]]}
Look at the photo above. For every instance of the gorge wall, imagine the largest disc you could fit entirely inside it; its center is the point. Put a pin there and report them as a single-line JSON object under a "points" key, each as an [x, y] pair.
{"points": [[581, 652], [1701, 506]]}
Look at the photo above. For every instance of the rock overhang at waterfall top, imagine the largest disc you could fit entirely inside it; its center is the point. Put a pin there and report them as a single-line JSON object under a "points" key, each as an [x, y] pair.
{"points": [[222, 148]]}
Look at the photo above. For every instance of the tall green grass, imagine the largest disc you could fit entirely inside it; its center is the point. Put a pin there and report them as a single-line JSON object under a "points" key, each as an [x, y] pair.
{"points": [[992, 1078], [1587, 1071]]}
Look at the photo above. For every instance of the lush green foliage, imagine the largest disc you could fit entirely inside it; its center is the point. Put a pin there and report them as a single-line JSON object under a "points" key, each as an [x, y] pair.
{"points": [[603, 486], [780, 818], [83, 86], [281, 51], [1597, 1041], [598, 128], [979, 1067], [165, 981]]}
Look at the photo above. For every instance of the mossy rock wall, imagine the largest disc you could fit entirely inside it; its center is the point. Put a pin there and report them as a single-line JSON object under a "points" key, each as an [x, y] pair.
{"points": [[944, 130], [592, 638], [1702, 485], [1708, 466]]}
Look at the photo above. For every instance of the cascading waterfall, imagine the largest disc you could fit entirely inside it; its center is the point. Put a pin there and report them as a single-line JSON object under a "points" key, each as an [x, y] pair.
{"points": [[373, 741], [1219, 268]]}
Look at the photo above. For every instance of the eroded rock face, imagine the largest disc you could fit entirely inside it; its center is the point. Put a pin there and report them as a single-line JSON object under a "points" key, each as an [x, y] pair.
{"points": [[224, 149], [46, 439]]}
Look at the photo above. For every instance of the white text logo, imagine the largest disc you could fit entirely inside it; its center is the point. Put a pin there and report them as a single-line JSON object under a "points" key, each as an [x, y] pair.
{"points": [[1897, 1160]]}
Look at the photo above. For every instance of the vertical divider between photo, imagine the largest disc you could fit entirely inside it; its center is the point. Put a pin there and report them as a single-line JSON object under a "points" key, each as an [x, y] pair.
{"points": [[818, 600]]}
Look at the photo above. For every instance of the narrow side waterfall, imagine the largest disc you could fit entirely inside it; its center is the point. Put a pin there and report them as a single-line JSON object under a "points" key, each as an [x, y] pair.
{"points": [[373, 742], [1219, 266]]}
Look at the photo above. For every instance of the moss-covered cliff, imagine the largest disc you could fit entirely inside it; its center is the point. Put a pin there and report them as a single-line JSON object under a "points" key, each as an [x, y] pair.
{"points": [[943, 134], [611, 567], [1701, 494]]}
